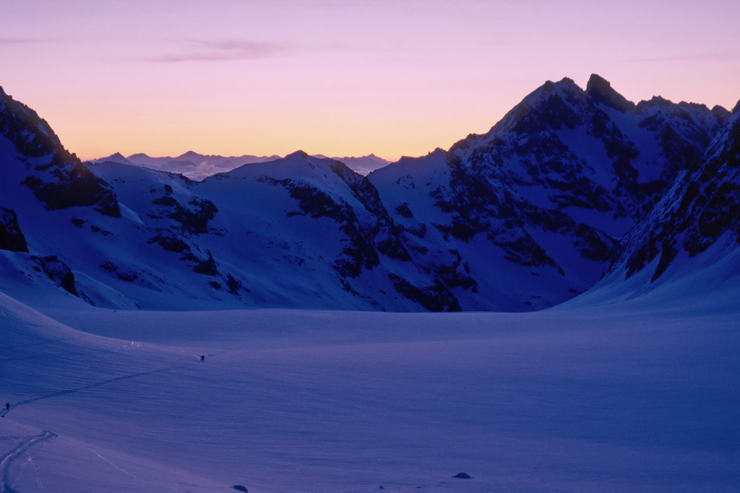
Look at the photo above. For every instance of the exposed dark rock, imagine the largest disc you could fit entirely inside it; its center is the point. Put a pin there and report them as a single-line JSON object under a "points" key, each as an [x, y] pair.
{"points": [[457, 274], [524, 250], [600, 90], [58, 272], [123, 275], [167, 200], [384, 233], [233, 284], [64, 181], [435, 298], [404, 211], [206, 267], [194, 219], [11, 237], [700, 209], [73, 187], [359, 252], [595, 245], [98, 229], [170, 243], [128, 276], [462, 475]]}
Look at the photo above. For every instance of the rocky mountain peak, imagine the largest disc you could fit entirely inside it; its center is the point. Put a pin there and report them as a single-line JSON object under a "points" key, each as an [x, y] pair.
{"points": [[56, 176], [600, 90], [564, 86], [720, 112]]}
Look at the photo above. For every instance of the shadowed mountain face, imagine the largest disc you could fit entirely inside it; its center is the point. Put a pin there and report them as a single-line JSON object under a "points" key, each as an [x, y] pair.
{"points": [[32, 153], [523, 217], [701, 211]]}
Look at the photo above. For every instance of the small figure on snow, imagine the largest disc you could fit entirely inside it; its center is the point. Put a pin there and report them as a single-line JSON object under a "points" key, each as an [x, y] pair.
{"points": [[202, 357]]}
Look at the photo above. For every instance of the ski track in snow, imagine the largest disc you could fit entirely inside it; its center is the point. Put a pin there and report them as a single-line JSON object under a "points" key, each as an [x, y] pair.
{"points": [[7, 459], [331, 397], [94, 385], [60, 393]]}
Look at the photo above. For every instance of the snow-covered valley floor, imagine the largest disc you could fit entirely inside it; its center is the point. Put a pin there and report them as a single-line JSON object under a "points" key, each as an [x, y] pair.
{"points": [[612, 398]]}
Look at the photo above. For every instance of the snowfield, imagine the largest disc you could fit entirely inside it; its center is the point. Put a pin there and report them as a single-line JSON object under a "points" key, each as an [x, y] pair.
{"points": [[618, 397]]}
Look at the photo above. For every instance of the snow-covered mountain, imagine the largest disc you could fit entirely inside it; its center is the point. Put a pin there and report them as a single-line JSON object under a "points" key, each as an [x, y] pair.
{"points": [[363, 165], [689, 242], [534, 208], [525, 216], [296, 231], [191, 164], [200, 166], [40, 183]]}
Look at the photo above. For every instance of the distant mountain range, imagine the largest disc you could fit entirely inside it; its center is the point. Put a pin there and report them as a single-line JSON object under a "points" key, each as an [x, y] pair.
{"points": [[199, 166], [574, 189]]}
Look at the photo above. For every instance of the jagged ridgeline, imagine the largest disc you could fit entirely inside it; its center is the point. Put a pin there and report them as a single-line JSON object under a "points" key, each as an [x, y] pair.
{"points": [[523, 217]]}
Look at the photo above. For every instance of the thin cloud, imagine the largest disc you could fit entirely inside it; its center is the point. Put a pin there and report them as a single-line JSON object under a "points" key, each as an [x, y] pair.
{"points": [[19, 41], [221, 51]]}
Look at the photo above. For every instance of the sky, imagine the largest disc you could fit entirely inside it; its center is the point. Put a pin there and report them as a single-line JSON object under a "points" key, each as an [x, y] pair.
{"points": [[352, 77]]}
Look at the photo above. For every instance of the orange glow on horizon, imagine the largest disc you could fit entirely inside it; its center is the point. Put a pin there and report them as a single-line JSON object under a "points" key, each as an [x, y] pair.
{"points": [[341, 78]]}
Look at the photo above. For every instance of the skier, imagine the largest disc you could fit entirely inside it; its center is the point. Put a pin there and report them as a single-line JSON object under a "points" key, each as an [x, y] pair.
{"points": [[202, 357]]}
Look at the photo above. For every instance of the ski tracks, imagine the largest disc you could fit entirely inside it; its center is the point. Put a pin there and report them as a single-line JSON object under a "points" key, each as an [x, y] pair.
{"points": [[7, 459]]}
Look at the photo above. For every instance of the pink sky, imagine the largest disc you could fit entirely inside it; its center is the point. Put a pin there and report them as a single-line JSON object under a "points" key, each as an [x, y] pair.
{"points": [[396, 77]]}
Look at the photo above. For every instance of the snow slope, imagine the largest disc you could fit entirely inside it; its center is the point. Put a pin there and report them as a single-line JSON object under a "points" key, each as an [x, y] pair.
{"points": [[621, 398], [43, 360]]}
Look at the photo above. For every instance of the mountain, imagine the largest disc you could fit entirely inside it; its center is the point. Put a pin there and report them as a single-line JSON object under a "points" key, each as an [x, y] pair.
{"points": [[199, 166], [297, 231], [689, 242], [191, 164], [40, 180], [523, 217], [534, 208], [34, 156]]}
